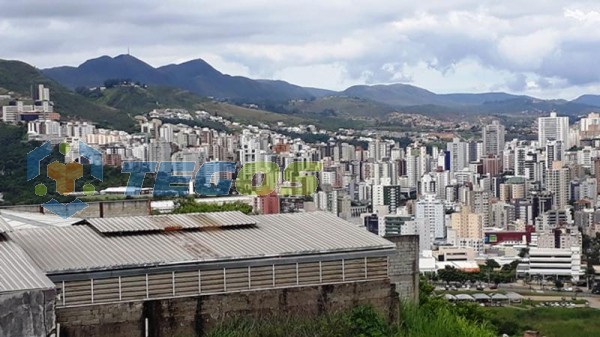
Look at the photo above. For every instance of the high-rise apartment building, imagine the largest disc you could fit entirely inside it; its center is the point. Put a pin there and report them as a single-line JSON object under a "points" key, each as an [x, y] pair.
{"points": [[431, 211], [493, 138], [467, 224], [389, 196], [459, 152], [558, 182], [553, 128]]}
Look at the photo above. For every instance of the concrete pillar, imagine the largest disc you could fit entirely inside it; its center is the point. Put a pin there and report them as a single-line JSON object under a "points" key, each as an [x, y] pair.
{"points": [[403, 268], [27, 313]]}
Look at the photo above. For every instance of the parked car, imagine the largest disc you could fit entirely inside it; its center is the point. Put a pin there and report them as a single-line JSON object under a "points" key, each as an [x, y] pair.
{"points": [[494, 286]]}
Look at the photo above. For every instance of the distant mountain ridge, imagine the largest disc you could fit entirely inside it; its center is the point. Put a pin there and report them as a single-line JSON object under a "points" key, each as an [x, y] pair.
{"points": [[116, 107], [199, 77], [593, 100]]}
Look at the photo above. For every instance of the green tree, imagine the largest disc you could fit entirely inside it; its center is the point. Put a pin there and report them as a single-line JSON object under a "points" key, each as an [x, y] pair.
{"points": [[189, 205], [491, 264], [364, 321], [524, 252], [425, 290]]}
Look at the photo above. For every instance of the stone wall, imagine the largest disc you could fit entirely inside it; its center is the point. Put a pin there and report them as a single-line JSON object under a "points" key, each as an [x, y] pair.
{"points": [[194, 316], [404, 266], [27, 313]]}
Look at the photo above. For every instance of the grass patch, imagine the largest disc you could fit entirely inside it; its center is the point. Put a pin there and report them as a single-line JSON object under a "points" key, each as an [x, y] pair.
{"points": [[551, 322], [415, 321]]}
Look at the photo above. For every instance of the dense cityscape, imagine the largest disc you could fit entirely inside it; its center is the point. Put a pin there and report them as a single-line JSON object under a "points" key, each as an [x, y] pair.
{"points": [[472, 203], [470, 200], [294, 169]]}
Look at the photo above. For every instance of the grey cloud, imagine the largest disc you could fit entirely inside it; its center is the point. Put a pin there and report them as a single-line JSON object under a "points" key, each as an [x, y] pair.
{"points": [[517, 83], [270, 36], [576, 62]]}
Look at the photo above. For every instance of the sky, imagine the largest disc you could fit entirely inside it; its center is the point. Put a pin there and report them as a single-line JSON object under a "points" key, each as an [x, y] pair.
{"points": [[547, 49]]}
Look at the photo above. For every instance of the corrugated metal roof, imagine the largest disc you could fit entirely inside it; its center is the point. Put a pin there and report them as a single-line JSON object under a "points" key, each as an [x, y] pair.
{"points": [[4, 226], [480, 296], [81, 248], [514, 296], [464, 297], [449, 297], [499, 296], [170, 221], [17, 271], [23, 220]]}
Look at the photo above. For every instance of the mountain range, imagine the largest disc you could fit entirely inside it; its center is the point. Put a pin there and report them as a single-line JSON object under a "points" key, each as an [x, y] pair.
{"points": [[197, 85], [199, 77], [115, 107]]}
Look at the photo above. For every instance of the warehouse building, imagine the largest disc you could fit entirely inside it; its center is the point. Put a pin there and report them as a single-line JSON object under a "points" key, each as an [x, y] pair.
{"points": [[26, 294], [178, 274]]}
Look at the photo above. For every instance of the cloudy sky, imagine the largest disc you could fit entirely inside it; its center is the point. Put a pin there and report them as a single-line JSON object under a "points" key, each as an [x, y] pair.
{"points": [[542, 48]]}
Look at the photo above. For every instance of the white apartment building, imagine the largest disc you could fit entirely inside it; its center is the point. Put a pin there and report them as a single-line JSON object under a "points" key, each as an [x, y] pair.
{"points": [[553, 128], [431, 211], [459, 158]]}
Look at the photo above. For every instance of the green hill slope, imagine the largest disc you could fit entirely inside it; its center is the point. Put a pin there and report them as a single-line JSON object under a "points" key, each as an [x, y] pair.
{"points": [[115, 107], [139, 100], [19, 77], [341, 107]]}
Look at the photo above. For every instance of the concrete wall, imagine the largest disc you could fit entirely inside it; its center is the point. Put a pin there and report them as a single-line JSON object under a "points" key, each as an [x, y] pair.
{"points": [[194, 316], [103, 209], [24, 208], [404, 266], [27, 313]]}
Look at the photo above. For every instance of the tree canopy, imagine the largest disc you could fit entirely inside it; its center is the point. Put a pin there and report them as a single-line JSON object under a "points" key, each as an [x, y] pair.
{"points": [[189, 205]]}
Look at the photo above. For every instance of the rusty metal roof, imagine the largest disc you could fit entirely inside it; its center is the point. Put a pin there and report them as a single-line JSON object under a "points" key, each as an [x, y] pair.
{"points": [[81, 248], [170, 222], [17, 270]]}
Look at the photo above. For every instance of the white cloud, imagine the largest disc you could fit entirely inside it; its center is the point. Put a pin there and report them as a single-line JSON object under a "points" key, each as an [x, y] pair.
{"points": [[582, 16], [529, 51]]}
